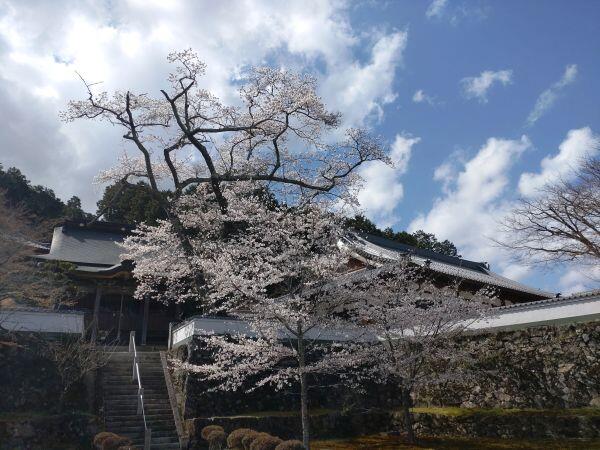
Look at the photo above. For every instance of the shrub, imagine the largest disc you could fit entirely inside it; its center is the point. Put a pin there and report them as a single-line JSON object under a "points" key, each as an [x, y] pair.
{"points": [[234, 440], [248, 439], [265, 441], [290, 445], [217, 440], [114, 442], [100, 437], [209, 429]]}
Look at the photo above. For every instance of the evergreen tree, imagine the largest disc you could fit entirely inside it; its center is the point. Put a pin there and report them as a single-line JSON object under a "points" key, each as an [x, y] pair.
{"points": [[420, 239], [130, 204], [39, 201]]}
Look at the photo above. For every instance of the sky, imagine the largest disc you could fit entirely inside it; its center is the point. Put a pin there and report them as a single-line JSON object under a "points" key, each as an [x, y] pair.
{"points": [[481, 102]]}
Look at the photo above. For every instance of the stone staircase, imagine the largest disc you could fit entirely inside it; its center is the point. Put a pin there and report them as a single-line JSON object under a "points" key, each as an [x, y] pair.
{"points": [[120, 400]]}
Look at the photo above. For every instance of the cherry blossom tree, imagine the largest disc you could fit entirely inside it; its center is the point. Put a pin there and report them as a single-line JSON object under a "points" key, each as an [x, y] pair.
{"points": [[413, 320], [279, 136], [278, 132], [267, 264]]}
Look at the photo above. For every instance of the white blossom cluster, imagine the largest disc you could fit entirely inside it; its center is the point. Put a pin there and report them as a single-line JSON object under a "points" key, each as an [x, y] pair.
{"points": [[279, 131]]}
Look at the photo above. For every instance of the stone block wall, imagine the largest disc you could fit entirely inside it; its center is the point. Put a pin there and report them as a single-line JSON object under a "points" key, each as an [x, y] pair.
{"points": [[544, 367]]}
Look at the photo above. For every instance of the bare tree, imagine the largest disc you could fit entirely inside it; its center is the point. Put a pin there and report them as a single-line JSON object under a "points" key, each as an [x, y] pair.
{"points": [[277, 133], [562, 222], [73, 358], [21, 279]]}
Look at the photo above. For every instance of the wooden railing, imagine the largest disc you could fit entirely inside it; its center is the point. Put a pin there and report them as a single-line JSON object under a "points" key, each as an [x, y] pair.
{"points": [[140, 395]]}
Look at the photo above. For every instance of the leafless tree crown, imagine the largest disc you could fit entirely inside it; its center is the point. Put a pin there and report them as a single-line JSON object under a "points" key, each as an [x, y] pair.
{"points": [[278, 133], [562, 222]]}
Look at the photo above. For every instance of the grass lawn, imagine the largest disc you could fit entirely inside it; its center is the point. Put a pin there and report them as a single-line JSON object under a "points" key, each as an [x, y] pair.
{"points": [[455, 411], [384, 442]]}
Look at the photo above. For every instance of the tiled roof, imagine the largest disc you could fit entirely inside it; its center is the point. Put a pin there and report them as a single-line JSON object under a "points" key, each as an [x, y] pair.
{"points": [[584, 294], [84, 246], [380, 248]]}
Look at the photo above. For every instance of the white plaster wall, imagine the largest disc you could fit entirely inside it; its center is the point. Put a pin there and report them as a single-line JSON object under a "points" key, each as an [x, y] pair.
{"points": [[42, 321]]}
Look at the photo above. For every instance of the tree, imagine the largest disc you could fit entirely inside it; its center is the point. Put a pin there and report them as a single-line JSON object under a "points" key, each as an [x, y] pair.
{"points": [[73, 358], [278, 136], [73, 210], [561, 223], [130, 203], [278, 133], [39, 201], [21, 280], [418, 239], [267, 264], [430, 242], [413, 321]]}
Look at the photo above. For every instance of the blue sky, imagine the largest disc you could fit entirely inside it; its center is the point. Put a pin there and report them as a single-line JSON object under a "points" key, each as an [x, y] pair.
{"points": [[451, 85]]}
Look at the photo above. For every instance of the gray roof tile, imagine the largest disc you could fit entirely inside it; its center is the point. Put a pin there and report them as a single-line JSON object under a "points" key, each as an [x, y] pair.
{"points": [[376, 247]]}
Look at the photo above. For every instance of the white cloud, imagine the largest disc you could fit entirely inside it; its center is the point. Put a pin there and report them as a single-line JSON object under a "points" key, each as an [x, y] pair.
{"points": [[578, 279], [578, 144], [550, 95], [421, 97], [361, 91], [382, 187], [468, 212], [436, 9], [477, 87], [447, 172], [442, 10], [42, 44]]}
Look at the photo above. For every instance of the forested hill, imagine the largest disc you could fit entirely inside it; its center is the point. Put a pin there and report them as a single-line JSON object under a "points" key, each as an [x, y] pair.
{"points": [[418, 239], [39, 201], [135, 204]]}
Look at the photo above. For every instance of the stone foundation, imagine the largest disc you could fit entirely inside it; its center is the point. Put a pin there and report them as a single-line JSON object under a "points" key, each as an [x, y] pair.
{"points": [[544, 367]]}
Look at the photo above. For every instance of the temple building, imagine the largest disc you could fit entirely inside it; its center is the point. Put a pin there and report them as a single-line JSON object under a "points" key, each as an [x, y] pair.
{"points": [[107, 285]]}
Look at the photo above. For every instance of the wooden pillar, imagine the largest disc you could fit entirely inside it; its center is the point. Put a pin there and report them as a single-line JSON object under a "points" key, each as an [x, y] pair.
{"points": [[96, 313], [120, 316], [170, 338], [145, 320]]}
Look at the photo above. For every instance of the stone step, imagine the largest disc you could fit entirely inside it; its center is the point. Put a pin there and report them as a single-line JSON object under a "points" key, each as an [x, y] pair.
{"points": [[148, 403], [133, 393], [128, 373], [138, 432], [134, 387], [128, 383], [161, 445], [149, 391], [124, 411], [148, 416], [155, 426], [137, 419]]}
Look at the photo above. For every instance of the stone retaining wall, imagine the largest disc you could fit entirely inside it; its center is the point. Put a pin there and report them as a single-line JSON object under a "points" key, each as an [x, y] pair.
{"points": [[543, 367]]}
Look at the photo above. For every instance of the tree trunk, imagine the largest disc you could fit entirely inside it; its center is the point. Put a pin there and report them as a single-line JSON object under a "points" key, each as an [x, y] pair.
{"points": [[62, 399], [303, 395], [408, 420]]}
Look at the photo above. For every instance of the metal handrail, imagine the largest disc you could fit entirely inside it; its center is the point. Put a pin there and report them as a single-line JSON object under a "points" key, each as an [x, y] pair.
{"points": [[140, 395]]}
